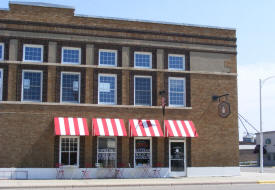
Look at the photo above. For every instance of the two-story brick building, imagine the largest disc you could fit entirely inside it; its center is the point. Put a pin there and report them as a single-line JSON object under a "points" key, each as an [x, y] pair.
{"points": [[85, 92]]}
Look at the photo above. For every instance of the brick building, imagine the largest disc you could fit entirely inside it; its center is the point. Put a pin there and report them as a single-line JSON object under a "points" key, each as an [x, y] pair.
{"points": [[62, 75]]}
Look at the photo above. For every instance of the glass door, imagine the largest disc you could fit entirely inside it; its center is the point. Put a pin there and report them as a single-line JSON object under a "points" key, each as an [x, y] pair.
{"points": [[177, 157]]}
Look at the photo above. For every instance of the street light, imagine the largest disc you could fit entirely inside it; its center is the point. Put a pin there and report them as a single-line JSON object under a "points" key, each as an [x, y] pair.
{"points": [[261, 127]]}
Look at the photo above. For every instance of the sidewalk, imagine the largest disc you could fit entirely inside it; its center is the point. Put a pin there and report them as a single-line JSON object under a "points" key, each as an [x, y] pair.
{"points": [[244, 178]]}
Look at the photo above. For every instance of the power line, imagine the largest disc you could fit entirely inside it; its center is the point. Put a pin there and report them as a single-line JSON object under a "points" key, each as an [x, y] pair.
{"points": [[248, 122]]}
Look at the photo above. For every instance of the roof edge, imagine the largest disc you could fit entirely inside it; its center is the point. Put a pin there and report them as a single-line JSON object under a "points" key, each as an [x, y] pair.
{"points": [[41, 4]]}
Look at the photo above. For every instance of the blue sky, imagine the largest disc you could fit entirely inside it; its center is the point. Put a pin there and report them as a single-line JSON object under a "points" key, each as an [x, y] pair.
{"points": [[253, 20]]}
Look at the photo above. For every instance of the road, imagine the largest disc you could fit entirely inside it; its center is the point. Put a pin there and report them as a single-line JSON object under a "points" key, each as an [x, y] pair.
{"points": [[176, 187]]}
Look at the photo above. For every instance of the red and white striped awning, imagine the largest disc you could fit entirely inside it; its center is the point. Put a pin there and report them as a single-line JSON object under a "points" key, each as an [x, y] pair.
{"points": [[178, 128], [108, 127], [145, 128], [71, 126]]}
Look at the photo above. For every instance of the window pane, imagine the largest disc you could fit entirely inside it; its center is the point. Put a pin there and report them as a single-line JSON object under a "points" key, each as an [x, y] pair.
{"points": [[1, 84], [70, 88], [142, 60], [1, 52], [142, 91], [73, 158], [177, 92], [71, 56], [107, 58], [32, 86], [33, 53], [65, 158], [107, 89], [176, 62], [142, 152], [107, 152], [69, 151]]}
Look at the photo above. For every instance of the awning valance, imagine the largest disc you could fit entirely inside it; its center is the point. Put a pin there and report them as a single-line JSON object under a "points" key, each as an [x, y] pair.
{"points": [[145, 128], [71, 126], [179, 128], [108, 127]]}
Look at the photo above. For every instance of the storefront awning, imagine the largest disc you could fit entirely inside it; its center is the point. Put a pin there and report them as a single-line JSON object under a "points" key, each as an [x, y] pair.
{"points": [[108, 127], [145, 128], [178, 128], [71, 126]]}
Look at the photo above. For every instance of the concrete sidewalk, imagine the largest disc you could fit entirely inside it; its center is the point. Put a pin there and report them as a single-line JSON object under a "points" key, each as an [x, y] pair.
{"points": [[244, 178]]}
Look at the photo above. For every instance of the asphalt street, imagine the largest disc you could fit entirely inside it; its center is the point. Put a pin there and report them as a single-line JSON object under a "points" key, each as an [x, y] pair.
{"points": [[175, 187]]}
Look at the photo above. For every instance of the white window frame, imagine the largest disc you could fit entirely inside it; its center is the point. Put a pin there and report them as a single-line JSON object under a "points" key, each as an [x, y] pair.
{"points": [[3, 50], [144, 53], [176, 55], [78, 148], [71, 48], [177, 78], [141, 138], [101, 137], [1, 84], [35, 46], [107, 50], [141, 76], [22, 85], [98, 93], [79, 85]]}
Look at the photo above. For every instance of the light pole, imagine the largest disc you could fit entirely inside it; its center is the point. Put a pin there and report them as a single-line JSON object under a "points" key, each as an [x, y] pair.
{"points": [[261, 127]]}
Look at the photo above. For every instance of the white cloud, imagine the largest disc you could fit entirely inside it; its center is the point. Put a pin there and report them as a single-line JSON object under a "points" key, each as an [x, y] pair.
{"points": [[248, 93]]}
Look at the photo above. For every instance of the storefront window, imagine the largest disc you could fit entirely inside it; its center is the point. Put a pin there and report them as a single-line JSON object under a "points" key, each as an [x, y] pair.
{"points": [[106, 152], [142, 152], [69, 150]]}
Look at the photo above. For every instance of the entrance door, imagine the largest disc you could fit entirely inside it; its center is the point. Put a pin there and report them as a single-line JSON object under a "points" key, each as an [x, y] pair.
{"points": [[177, 158]]}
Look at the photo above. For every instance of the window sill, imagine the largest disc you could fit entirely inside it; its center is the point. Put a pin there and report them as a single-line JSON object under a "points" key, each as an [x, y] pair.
{"points": [[91, 105]]}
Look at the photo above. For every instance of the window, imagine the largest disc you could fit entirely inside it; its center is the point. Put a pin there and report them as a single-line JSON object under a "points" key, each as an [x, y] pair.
{"points": [[273, 156], [268, 141], [33, 53], [107, 58], [143, 90], [106, 89], [1, 84], [176, 91], [69, 151], [106, 152], [176, 62], [143, 152], [143, 59], [71, 55], [268, 157], [31, 86], [1, 51], [70, 87]]}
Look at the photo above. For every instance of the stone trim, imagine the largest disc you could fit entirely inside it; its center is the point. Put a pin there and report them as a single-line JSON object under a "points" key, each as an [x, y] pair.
{"points": [[119, 68]]}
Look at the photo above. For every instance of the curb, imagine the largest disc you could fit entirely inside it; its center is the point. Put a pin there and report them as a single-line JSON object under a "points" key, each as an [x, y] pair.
{"points": [[131, 185], [266, 182]]}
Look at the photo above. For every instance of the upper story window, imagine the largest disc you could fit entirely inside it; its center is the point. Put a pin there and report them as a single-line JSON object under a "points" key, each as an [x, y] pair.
{"points": [[33, 53], [70, 87], [143, 90], [268, 141], [176, 62], [1, 51], [143, 59], [69, 151], [107, 89], [106, 152], [31, 86], [71, 55], [107, 57], [176, 91], [1, 84]]}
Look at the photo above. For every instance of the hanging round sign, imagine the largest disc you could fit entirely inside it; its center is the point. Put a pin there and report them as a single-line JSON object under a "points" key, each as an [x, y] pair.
{"points": [[224, 109]]}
